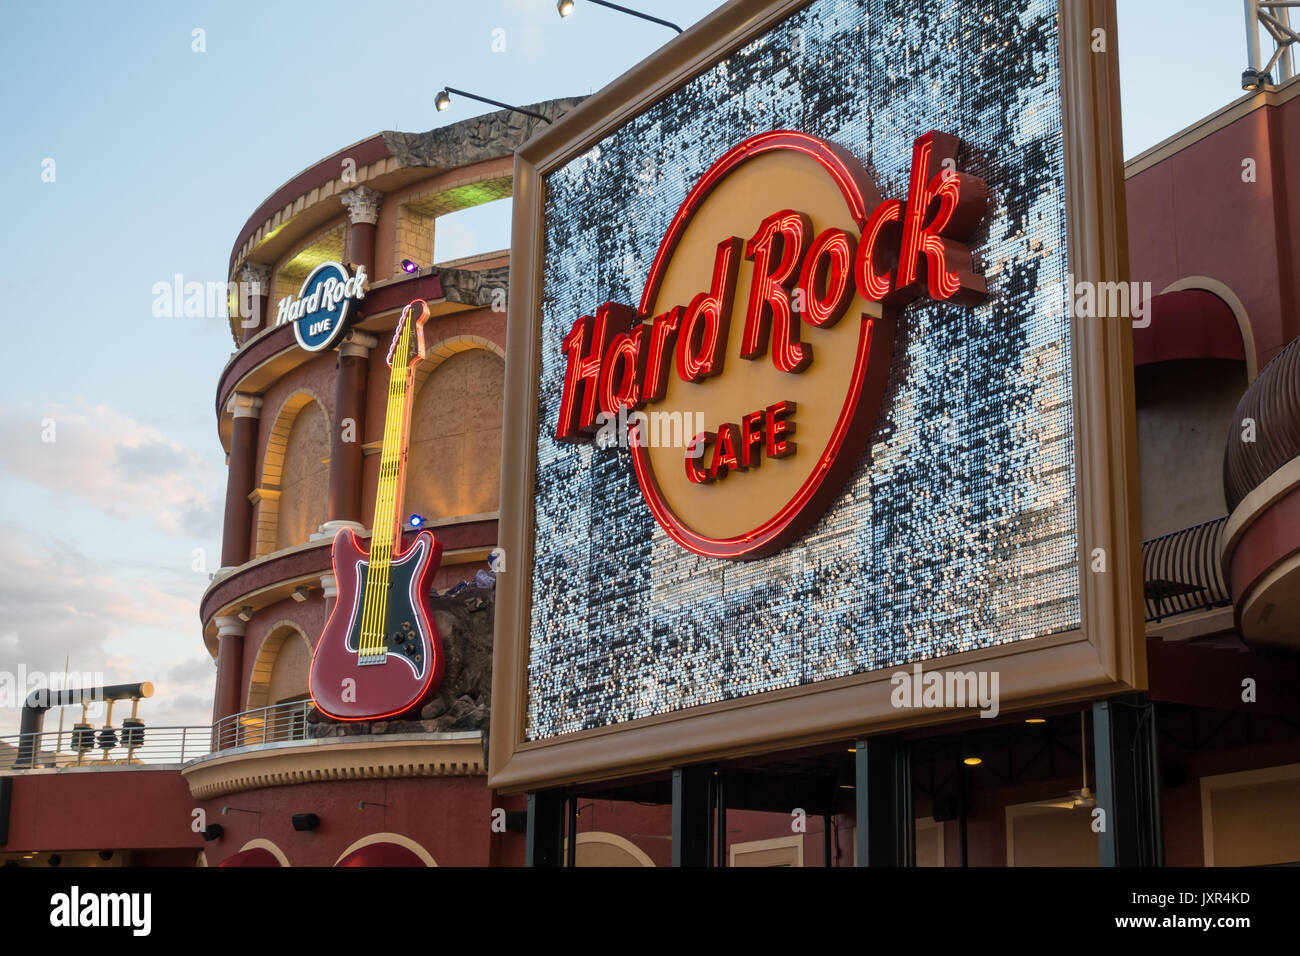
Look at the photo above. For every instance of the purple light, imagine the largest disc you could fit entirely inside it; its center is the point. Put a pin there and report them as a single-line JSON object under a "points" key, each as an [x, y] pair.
{"points": [[409, 266]]}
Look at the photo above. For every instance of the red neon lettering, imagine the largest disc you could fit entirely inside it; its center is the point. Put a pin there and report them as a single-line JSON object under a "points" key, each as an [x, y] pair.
{"points": [[777, 249], [702, 341], [622, 371], [828, 265], [663, 333], [778, 425], [585, 345], [694, 454], [724, 451], [751, 434], [874, 284], [932, 252]]}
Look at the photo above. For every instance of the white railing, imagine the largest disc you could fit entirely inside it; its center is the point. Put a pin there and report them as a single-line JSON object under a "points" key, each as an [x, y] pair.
{"points": [[103, 747], [265, 725]]}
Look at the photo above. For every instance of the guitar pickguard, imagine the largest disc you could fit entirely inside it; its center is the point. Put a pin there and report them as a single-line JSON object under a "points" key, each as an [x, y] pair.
{"points": [[405, 633]]}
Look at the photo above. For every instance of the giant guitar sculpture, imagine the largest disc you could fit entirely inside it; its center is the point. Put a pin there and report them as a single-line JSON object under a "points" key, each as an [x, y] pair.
{"points": [[380, 654]]}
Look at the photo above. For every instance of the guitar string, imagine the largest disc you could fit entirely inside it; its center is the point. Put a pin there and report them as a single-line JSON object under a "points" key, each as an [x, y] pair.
{"points": [[378, 575], [390, 463], [397, 387], [374, 583]]}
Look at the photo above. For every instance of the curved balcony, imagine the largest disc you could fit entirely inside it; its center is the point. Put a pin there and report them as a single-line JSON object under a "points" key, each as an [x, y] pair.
{"points": [[286, 744], [1181, 571], [1261, 482], [274, 576]]}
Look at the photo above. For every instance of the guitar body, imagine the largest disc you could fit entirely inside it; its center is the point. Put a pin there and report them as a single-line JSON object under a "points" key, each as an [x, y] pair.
{"points": [[396, 675]]}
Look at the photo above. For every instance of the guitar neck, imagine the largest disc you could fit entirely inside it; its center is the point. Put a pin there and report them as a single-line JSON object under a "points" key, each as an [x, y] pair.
{"points": [[392, 463]]}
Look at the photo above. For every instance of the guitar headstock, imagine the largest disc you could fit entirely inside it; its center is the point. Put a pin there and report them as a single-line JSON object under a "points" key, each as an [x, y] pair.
{"points": [[409, 333]]}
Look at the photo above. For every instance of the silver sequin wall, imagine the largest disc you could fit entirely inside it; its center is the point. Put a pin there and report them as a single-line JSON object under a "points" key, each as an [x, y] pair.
{"points": [[957, 530]]}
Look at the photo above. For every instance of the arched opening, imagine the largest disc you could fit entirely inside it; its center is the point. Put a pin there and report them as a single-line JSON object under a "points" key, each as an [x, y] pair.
{"points": [[455, 442], [293, 498], [608, 849], [280, 671], [385, 849], [1184, 412], [279, 676], [1191, 370], [258, 852]]}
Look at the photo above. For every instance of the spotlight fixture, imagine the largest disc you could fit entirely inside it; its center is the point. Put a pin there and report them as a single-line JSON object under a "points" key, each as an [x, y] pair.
{"points": [[565, 7], [416, 520], [407, 264], [362, 804], [213, 831], [305, 822], [246, 613], [1253, 80], [300, 594], [55, 860], [972, 761], [443, 100]]}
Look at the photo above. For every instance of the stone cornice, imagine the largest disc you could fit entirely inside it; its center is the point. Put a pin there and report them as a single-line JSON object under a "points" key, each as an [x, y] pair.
{"points": [[334, 759]]}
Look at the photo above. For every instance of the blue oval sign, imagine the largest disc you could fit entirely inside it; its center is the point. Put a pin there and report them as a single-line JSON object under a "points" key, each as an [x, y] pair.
{"points": [[322, 309]]}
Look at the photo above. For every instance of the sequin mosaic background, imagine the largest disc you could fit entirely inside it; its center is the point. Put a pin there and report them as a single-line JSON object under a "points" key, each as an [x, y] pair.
{"points": [[957, 530]]}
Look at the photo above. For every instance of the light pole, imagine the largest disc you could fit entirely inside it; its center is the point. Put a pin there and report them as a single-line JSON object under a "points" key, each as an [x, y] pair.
{"points": [[443, 100], [565, 7]]}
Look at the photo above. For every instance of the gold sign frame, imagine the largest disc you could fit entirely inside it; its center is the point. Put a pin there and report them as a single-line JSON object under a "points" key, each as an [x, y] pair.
{"points": [[1105, 655]]}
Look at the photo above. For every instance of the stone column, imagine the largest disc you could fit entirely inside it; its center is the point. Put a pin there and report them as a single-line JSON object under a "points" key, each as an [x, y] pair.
{"points": [[230, 674], [257, 275], [349, 426], [363, 212], [240, 479]]}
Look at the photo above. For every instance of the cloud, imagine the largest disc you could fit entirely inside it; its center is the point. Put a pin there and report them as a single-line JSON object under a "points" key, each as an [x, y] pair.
{"points": [[114, 462], [201, 669], [57, 604]]}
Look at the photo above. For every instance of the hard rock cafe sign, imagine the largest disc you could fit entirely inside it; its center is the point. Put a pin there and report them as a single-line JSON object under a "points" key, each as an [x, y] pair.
{"points": [[781, 342]]}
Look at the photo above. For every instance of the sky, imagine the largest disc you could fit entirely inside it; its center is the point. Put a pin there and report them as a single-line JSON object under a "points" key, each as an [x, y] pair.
{"points": [[137, 148]]}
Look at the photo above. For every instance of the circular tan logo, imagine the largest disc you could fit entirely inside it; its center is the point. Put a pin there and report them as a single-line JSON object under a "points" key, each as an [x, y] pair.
{"points": [[753, 370]]}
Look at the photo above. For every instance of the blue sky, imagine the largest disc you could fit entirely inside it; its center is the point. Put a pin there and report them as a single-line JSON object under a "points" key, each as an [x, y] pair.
{"points": [[160, 154]]}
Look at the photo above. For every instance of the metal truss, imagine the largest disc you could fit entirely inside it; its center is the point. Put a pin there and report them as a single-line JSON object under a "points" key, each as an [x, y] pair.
{"points": [[1275, 17]]}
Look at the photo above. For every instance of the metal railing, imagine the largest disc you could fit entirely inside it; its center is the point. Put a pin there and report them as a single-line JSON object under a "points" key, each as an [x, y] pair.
{"points": [[264, 725], [1181, 571], [103, 747], [120, 747]]}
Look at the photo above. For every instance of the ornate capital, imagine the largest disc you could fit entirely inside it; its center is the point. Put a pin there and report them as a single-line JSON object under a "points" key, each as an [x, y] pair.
{"points": [[244, 405], [363, 204], [258, 275], [229, 627]]}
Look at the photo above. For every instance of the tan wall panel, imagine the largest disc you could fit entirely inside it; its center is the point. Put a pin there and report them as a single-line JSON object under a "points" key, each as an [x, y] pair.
{"points": [[304, 482], [455, 446]]}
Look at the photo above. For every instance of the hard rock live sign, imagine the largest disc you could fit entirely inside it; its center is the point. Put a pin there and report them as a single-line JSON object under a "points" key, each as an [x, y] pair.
{"points": [[805, 274]]}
